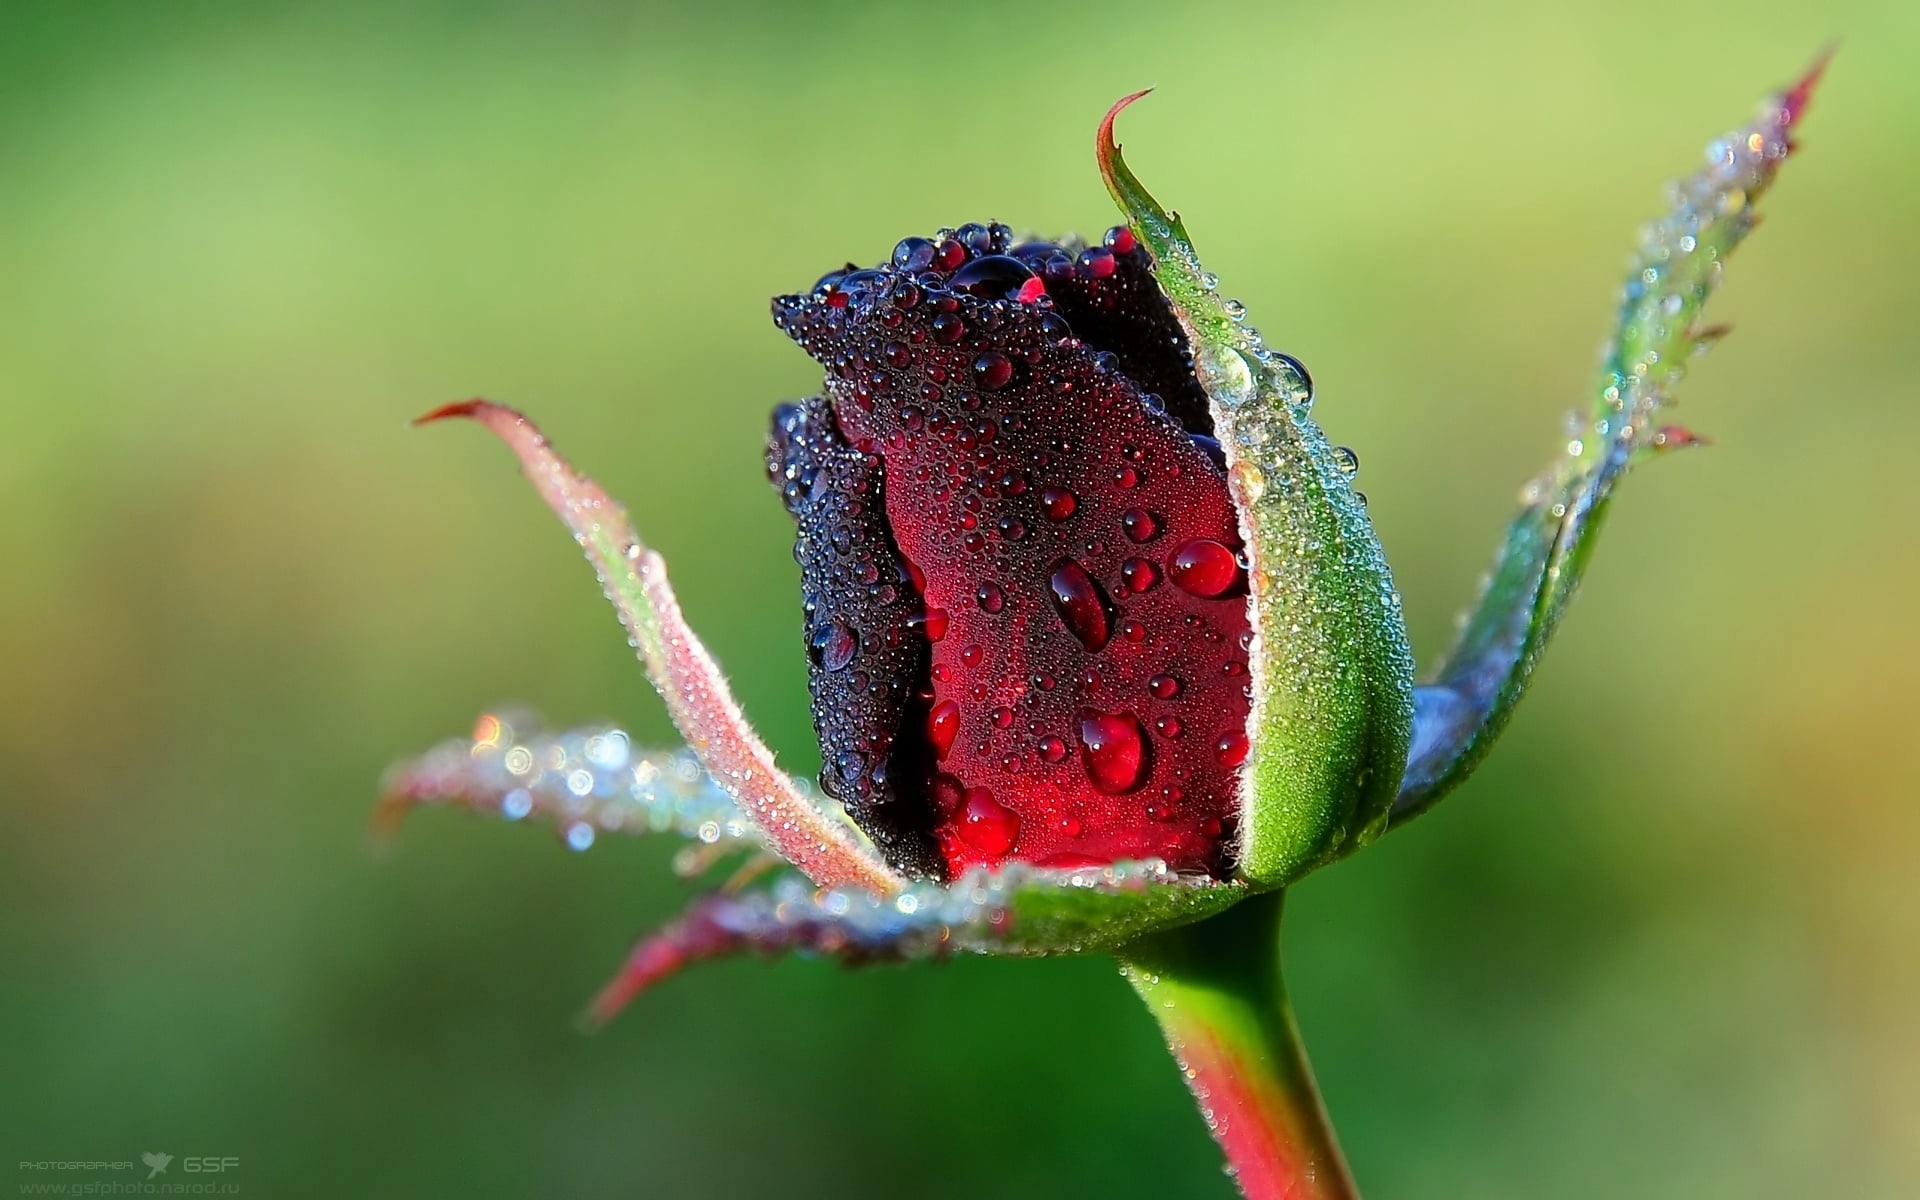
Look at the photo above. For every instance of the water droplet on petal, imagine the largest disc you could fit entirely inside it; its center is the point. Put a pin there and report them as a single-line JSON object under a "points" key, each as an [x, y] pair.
{"points": [[1140, 524], [834, 644], [943, 724], [1139, 574], [1082, 607], [986, 824], [1231, 749], [1114, 750], [1204, 567], [992, 371]]}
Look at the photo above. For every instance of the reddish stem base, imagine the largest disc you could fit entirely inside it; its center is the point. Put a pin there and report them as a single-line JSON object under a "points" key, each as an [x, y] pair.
{"points": [[1216, 989]]}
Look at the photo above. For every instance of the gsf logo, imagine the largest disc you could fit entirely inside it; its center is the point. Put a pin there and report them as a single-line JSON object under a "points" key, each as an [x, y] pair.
{"points": [[209, 1165]]}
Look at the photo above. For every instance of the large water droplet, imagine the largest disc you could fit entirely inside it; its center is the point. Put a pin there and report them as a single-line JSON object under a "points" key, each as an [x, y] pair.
{"points": [[1080, 603], [992, 371], [1114, 750], [1058, 503], [1231, 748], [991, 278], [834, 643], [1290, 376], [1204, 567], [1140, 524], [1139, 574], [943, 725], [986, 824]]}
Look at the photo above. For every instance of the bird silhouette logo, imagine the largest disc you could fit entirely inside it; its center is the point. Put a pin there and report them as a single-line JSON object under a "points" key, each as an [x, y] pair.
{"points": [[156, 1163]]}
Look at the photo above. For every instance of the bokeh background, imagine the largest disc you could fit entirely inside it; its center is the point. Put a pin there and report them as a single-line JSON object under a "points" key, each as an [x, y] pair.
{"points": [[1667, 943]]}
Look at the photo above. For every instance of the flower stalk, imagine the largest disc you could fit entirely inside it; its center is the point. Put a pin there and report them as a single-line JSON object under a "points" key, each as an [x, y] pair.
{"points": [[1217, 991]]}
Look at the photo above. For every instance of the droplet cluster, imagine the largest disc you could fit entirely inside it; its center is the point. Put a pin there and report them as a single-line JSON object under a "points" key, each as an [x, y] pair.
{"points": [[867, 650], [1017, 909], [1067, 534], [585, 783], [1677, 265]]}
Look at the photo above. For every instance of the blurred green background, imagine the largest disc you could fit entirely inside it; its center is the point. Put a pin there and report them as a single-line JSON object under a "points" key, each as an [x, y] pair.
{"points": [[1664, 945]]}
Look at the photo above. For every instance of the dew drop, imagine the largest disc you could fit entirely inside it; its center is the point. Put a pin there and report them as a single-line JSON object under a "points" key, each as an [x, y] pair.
{"points": [[1113, 748], [1164, 687], [1052, 749], [1058, 503], [1204, 567], [1098, 262], [994, 277], [834, 644], [992, 371], [948, 254], [1295, 384], [1139, 524], [1231, 748], [986, 824], [1139, 574], [991, 598], [943, 725], [1345, 459], [934, 623], [913, 254], [1082, 607]]}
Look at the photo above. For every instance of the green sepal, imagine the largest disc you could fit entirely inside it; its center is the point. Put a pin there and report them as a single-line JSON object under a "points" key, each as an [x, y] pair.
{"points": [[1675, 268], [1332, 672]]}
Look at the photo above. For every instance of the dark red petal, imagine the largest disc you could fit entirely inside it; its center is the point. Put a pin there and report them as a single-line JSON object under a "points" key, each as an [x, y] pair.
{"points": [[1041, 503], [866, 655], [1111, 300]]}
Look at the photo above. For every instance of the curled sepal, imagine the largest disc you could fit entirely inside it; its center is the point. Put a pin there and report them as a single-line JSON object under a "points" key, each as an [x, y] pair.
{"points": [[584, 783], [1018, 910], [1676, 267], [1332, 672], [825, 848]]}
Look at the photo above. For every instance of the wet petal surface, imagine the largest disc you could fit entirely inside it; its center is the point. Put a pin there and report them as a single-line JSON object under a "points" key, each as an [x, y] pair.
{"points": [[1041, 504]]}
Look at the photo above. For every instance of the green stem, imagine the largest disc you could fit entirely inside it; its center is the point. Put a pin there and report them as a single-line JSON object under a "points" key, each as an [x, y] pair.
{"points": [[1216, 989]]}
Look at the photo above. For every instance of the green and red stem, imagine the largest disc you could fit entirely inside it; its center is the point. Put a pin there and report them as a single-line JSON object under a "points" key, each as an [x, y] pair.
{"points": [[1216, 989]]}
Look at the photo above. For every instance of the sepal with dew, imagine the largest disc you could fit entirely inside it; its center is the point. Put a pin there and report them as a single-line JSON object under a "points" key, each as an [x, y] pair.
{"points": [[1675, 268], [1332, 674], [1018, 910], [584, 783], [827, 850]]}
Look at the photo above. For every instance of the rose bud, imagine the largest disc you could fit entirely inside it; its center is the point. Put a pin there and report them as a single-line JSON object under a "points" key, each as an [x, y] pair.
{"points": [[1021, 574], [1100, 641]]}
